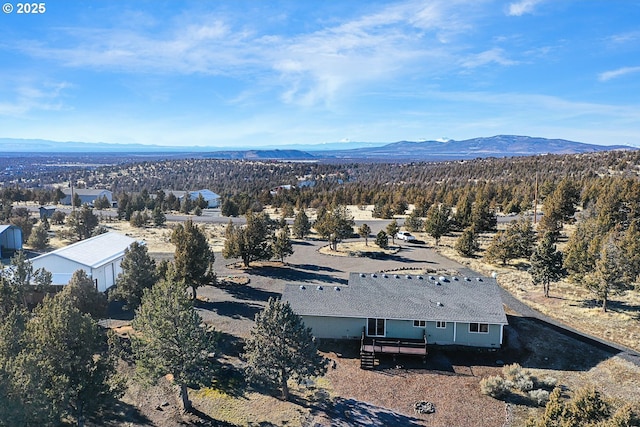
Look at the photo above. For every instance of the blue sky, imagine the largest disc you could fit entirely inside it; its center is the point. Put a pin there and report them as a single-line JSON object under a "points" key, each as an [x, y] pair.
{"points": [[256, 73]]}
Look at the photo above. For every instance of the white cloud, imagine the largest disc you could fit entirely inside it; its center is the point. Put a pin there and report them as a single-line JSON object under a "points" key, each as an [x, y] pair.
{"points": [[523, 7], [613, 74], [495, 55]]}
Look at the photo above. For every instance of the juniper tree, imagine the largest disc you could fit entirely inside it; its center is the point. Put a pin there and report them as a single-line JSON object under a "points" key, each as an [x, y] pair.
{"points": [[282, 246], [81, 292], [82, 222], [382, 240], [467, 243], [438, 222], [609, 276], [170, 339], [301, 225], [546, 264], [138, 273], [251, 242], [193, 256], [281, 347], [335, 225], [363, 231], [392, 229], [39, 238]]}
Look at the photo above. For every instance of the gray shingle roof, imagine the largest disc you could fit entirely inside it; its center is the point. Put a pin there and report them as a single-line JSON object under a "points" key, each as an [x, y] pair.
{"points": [[390, 296]]}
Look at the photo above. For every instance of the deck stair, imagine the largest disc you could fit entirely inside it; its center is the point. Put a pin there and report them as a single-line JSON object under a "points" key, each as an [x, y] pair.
{"points": [[367, 360]]}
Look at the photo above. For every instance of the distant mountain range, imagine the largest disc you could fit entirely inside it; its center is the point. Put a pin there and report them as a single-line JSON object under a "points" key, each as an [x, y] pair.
{"points": [[495, 146]]}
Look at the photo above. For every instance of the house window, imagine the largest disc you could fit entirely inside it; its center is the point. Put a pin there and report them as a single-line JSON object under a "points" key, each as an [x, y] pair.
{"points": [[479, 328], [419, 323], [441, 325], [375, 327]]}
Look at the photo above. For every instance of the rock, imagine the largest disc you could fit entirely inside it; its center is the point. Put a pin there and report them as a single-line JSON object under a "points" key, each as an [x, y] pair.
{"points": [[424, 407]]}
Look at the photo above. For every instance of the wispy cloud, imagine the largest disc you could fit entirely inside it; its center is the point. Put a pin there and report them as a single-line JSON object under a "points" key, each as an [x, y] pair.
{"points": [[614, 74], [495, 55], [27, 96], [523, 7]]}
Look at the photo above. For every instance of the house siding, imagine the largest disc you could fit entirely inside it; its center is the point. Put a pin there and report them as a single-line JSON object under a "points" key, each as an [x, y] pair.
{"points": [[442, 336], [403, 329], [335, 327], [490, 339]]}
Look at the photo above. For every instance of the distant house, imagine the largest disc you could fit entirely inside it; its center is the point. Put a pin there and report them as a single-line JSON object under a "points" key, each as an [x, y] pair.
{"points": [[98, 256], [280, 188], [10, 240], [46, 212], [212, 199], [87, 196], [438, 310]]}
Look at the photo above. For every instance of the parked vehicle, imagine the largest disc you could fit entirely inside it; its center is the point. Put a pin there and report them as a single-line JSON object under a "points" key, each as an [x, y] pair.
{"points": [[405, 235]]}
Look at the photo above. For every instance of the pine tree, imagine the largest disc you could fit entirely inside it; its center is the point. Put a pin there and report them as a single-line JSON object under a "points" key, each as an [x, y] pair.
{"points": [[82, 222], [438, 222], [467, 243], [250, 242], [335, 225], [39, 238], [282, 246], [609, 276], [280, 348], [392, 229], [138, 273], [169, 339], [546, 264], [193, 256], [364, 232], [301, 225]]}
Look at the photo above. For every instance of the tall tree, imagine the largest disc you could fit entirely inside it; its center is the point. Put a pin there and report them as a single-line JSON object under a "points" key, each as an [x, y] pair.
{"points": [[482, 217], [363, 231], [18, 281], [301, 225], [438, 221], [335, 225], [392, 229], [282, 246], [138, 273], [517, 241], [414, 221], [250, 242], [39, 238], [82, 293], [82, 222], [193, 256], [170, 339], [280, 348], [609, 276], [546, 264]]}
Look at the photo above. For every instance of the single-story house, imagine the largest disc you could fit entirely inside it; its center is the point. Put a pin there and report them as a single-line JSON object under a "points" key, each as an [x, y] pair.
{"points": [[99, 256], [212, 199], [442, 310], [10, 239], [46, 211], [87, 196]]}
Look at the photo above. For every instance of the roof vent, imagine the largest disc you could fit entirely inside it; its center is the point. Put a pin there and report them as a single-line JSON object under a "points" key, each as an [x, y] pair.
{"points": [[385, 276], [362, 275], [479, 279], [374, 275], [336, 288], [432, 278], [466, 279], [396, 276], [302, 287], [439, 304], [407, 276], [443, 279], [319, 288], [419, 277], [454, 278]]}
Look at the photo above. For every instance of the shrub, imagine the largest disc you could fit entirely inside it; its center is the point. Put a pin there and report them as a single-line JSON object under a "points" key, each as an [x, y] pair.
{"points": [[494, 386], [541, 397], [548, 382]]}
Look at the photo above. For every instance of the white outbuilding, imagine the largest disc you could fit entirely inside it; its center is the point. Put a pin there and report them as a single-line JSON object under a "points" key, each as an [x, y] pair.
{"points": [[98, 256]]}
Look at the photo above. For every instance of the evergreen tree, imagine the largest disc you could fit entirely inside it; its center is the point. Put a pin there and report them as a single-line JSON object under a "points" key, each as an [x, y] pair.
{"points": [[138, 273], [280, 348], [467, 243], [81, 292], [583, 248], [382, 240], [229, 208], [169, 339], [609, 276], [363, 231], [20, 279], [546, 264], [82, 222], [335, 225], [159, 218], [301, 225], [193, 256], [438, 222], [39, 238], [414, 222], [250, 242], [392, 229], [76, 202], [282, 246], [482, 218], [200, 202]]}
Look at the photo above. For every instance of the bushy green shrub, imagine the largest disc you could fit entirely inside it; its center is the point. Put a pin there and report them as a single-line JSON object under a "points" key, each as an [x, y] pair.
{"points": [[494, 386], [540, 396]]}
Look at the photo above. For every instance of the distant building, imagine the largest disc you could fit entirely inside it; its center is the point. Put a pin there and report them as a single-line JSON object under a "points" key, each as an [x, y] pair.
{"points": [[279, 188], [87, 196], [46, 212], [98, 256], [10, 240], [212, 199]]}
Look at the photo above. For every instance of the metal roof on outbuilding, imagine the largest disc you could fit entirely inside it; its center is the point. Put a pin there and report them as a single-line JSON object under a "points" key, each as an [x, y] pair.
{"points": [[406, 297]]}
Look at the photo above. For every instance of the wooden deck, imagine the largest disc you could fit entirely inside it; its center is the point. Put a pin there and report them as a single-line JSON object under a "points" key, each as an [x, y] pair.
{"points": [[390, 347]]}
